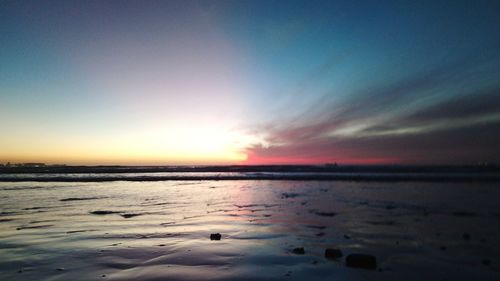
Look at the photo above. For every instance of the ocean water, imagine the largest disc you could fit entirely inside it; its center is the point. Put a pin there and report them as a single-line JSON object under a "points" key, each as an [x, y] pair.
{"points": [[160, 230]]}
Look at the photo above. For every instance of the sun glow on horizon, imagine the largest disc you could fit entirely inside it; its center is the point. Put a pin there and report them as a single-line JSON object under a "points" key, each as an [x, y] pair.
{"points": [[167, 146]]}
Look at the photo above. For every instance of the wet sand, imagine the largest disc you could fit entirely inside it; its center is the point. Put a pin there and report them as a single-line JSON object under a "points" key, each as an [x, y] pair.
{"points": [[160, 230]]}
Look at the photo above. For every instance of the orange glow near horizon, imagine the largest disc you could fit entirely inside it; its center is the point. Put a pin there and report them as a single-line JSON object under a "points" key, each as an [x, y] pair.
{"points": [[169, 146]]}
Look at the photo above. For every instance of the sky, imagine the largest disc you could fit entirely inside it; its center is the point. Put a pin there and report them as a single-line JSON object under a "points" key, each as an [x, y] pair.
{"points": [[249, 82]]}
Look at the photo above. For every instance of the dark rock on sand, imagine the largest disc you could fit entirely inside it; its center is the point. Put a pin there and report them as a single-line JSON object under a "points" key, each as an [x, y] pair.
{"points": [[316, 226], [299, 251], [466, 236], [215, 236], [333, 253], [361, 261], [35, 208], [322, 214], [486, 262], [347, 236], [82, 230], [130, 215], [79, 198], [103, 212]]}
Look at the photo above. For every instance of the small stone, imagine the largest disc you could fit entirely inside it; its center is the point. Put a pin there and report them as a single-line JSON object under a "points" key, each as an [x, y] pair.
{"points": [[443, 248], [466, 236], [60, 269], [127, 216], [104, 275], [215, 236], [299, 251], [325, 214], [486, 262], [103, 212], [361, 261], [333, 253], [347, 236]]}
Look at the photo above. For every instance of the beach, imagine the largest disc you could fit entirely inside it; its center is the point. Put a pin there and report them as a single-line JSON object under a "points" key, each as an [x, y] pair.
{"points": [[188, 140], [160, 230]]}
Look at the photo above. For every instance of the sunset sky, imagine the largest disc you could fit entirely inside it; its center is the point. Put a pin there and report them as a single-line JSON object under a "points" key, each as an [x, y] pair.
{"points": [[249, 82]]}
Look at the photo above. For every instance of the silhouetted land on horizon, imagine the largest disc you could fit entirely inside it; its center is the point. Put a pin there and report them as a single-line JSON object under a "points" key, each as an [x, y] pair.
{"points": [[259, 168], [257, 172]]}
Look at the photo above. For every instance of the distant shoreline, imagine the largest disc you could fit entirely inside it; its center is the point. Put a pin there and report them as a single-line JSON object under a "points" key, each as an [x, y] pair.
{"points": [[327, 168], [387, 173], [288, 177]]}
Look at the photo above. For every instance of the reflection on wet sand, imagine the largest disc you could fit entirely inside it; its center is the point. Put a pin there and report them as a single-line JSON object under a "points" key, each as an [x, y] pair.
{"points": [[269, 230]]}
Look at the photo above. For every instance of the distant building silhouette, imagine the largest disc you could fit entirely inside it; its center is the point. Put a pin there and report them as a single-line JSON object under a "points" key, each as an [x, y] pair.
{"points": [[26, 165]]}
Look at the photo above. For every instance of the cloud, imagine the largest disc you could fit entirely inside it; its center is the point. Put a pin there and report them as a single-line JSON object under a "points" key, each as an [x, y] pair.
{"points": [[447, 114]]}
